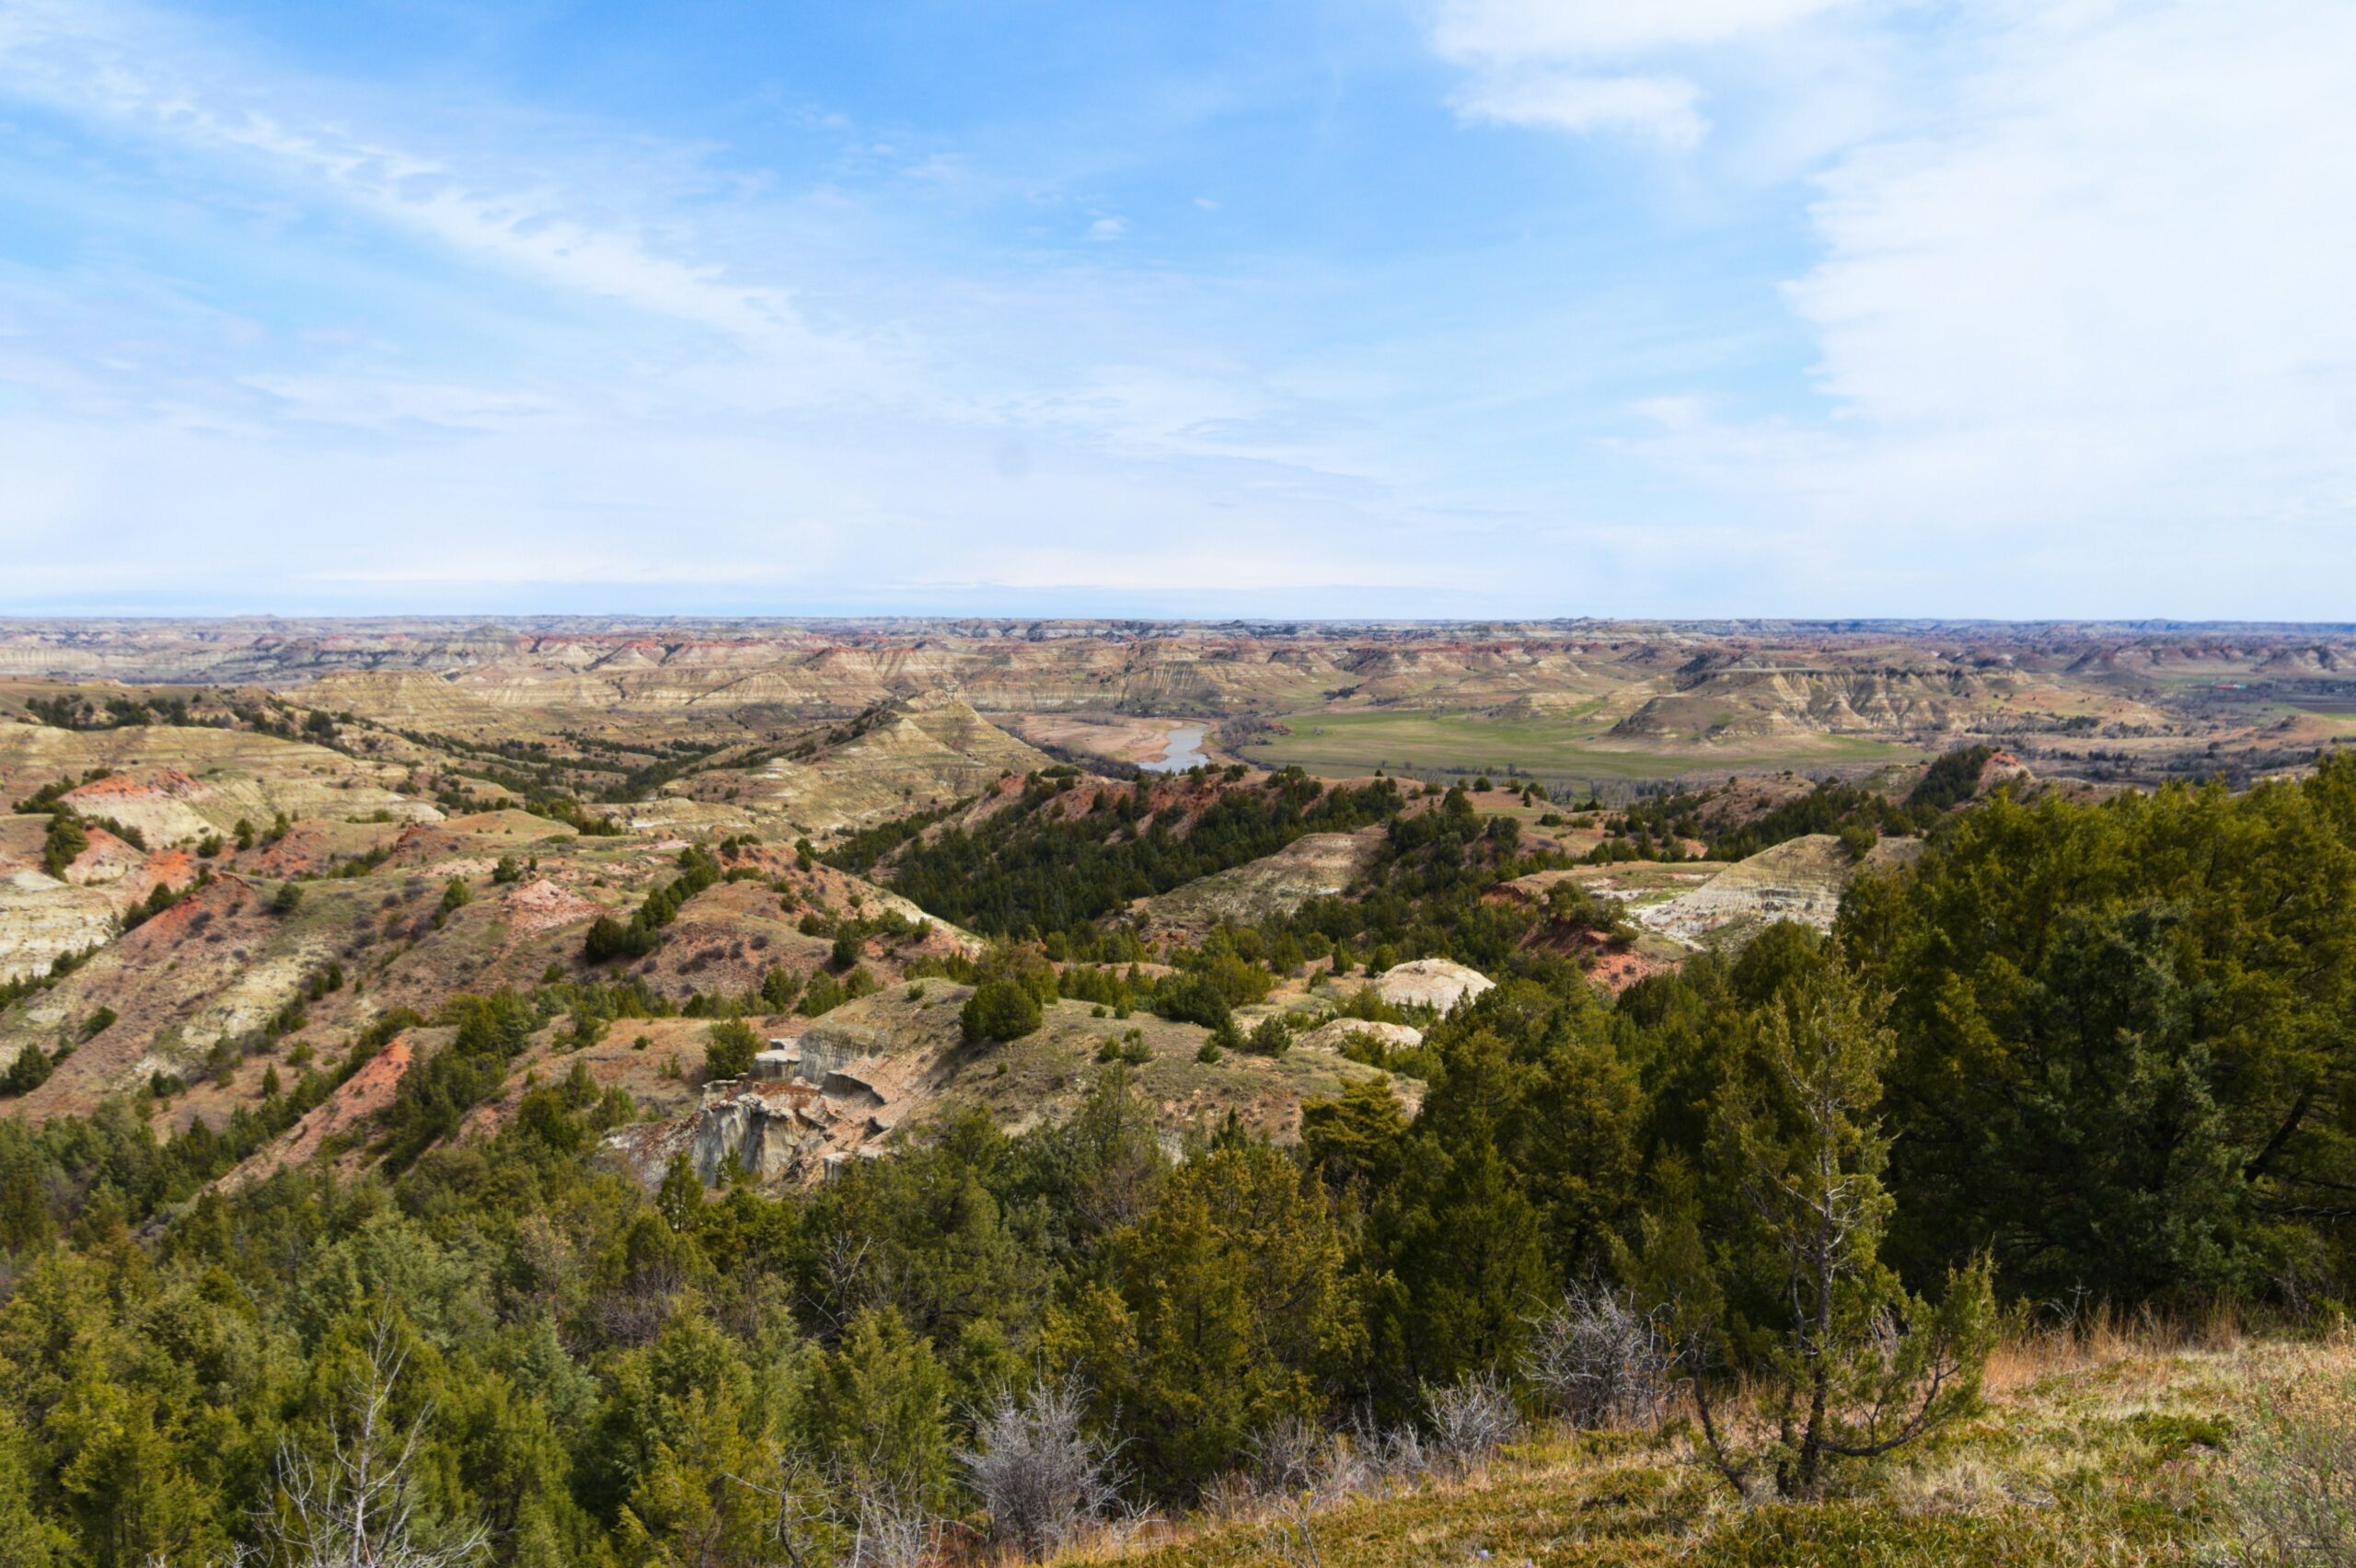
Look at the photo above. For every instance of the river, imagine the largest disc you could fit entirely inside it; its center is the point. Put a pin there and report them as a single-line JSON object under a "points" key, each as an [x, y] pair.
{"points": [[1183, 750]]}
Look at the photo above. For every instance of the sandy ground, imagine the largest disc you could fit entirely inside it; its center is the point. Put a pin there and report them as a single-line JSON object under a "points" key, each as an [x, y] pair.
{"points": [[1121, 738]]}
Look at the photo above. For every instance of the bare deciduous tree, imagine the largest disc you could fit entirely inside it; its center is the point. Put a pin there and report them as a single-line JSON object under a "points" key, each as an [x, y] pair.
{"points": [[891, 1530], [1298, 1469], [1040, 1474], [354, 1504], [2289, 1493], [801, 1524]]}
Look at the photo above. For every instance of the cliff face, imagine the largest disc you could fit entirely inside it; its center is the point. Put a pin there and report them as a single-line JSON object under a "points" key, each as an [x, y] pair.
{"points": [[1314, 866], [1745, 676], [777, 1131], [891, 1060], [1801, 878], [1714, 699], [42, 917]]}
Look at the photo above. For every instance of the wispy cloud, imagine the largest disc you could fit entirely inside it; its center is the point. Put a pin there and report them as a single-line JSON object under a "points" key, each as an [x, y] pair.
{"points": [[2009, 307], [2074, 311], [687, 350], [1593, 65], [1661, 107], [136, 71], [2086, 313]]}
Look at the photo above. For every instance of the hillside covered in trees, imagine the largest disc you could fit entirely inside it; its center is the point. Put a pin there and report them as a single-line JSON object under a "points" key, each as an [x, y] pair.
{"points": [[1770, 1209]]}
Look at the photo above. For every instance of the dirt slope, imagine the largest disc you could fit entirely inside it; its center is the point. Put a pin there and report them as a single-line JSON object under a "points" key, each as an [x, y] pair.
{"points": [[1310, 867], [1800, 879]]}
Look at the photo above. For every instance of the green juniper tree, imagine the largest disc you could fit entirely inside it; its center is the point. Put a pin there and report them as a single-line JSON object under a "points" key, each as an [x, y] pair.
{"points": [[1792, 1293]]}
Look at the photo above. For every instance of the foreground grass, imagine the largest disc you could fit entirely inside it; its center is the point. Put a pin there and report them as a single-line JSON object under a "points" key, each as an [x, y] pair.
{"points": [[2114, 1451]]}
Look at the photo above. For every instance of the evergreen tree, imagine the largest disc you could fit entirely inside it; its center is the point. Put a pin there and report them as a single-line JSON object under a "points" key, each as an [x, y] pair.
{"points": [[880, 1410], [1000, 1009], [1792, 1294], [729, 1047], [1224, 1313]]}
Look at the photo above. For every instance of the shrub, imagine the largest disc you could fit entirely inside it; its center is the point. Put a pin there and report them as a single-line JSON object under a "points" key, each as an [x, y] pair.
{"points": [[1192, 999], [879, 1411], [2291, 1494], [1039, 1475], [1596, 1361], [65, 843], [778, 988], [1469, 1419], [26, 1073], [1129, 1047], [729, 1047], [999, 1009], [609, 938], [1272, 1036], [823, 994], [1861, 1366]]}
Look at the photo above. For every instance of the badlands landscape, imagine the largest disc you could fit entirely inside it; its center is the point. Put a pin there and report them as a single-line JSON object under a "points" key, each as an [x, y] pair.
{"points": [[718, 956], [1590, 703]]}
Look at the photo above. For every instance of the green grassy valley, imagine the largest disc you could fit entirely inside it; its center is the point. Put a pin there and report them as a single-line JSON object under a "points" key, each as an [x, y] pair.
{"points": [[1573, 749]]}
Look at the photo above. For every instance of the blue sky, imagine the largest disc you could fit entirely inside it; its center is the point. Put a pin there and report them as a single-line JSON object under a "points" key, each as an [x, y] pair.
{"points": [[1458, 307]]}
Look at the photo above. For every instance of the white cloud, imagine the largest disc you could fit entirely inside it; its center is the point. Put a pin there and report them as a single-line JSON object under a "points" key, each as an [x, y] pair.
{"points": [[2089, 313], [1661, 107], [576, 339], [1592, 65]]}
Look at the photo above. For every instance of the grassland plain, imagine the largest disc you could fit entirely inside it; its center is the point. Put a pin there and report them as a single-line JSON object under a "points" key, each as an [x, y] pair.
{"points": [[2144, 1448], [1423, 742]]}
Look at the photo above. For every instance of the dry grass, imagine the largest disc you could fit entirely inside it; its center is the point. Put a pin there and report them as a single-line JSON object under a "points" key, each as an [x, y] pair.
{"points": [[2118, 1440], [2101, 1337], [2291, 1494]]}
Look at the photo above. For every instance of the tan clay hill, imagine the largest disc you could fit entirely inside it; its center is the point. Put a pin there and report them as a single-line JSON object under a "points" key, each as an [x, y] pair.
{"points": [[911, 756], [1871, 670]]}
